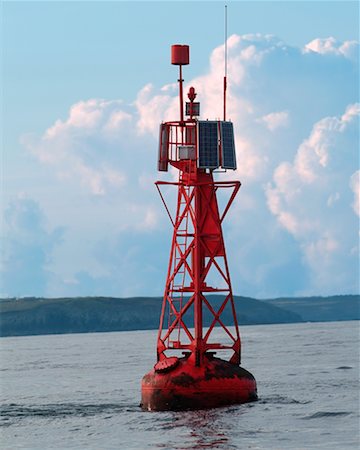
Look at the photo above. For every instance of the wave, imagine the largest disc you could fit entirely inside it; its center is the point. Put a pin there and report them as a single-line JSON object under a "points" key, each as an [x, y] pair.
{"points": [[278, 399], [322, 414], [8, 411]]}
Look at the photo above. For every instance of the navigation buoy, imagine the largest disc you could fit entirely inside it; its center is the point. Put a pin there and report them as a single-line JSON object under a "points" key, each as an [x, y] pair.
{"points": [[198, 322]]}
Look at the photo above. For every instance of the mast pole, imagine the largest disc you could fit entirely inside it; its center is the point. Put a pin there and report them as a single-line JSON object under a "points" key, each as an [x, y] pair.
{"points": [[225, 63]]}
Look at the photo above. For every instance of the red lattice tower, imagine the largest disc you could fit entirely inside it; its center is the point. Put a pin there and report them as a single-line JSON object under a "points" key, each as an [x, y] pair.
{"points": [[197, 251]]}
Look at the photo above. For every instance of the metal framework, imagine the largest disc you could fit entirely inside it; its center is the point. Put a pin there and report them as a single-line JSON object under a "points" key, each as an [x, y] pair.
{"points": [[197, 250]]}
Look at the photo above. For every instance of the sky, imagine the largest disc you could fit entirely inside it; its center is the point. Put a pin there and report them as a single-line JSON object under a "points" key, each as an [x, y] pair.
{"points": [[84, 88]]}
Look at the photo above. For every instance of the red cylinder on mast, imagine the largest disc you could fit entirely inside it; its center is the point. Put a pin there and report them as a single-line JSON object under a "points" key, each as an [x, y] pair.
{"points": [[180, 55]]}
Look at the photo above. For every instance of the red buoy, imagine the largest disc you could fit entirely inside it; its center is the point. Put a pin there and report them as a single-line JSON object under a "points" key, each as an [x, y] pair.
{"points": [[198, 297], [186, 386]]}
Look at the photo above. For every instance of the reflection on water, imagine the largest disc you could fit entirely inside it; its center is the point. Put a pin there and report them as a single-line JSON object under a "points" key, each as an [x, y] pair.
{"points": [[203, 429]]}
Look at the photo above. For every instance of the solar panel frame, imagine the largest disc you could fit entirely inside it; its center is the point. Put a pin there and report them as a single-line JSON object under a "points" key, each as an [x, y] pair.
{"points": [[208, 144], [228, 154]]}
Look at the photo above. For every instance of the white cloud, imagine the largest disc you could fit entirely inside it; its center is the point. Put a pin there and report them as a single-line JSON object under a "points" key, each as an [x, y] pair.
{"points": [[82, 146], [275, 120], [117, 120], [332, 46], [309, 198], [152, 109], [333, 198]]}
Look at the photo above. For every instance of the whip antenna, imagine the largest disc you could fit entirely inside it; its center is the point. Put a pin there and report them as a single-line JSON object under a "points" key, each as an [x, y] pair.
{"points": [[225, 62]]}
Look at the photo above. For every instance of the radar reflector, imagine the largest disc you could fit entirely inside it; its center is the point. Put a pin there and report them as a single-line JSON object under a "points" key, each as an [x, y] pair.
{"points": [[163, 159]]}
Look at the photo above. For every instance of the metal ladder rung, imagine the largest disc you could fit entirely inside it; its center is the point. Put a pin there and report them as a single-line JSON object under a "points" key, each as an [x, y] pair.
{"points": [[178, 259], [181, 235]]}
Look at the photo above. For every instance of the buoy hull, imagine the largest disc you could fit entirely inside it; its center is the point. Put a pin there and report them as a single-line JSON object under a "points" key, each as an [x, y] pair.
{"points": [[215, 383]]}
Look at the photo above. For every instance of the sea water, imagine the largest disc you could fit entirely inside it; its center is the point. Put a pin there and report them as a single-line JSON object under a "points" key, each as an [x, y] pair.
{"points": [[82, 391]]}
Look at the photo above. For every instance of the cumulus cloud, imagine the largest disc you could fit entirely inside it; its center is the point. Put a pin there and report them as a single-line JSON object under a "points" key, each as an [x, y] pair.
{"points": [[332, 46], [311, 199], [275, 120], [152, 108], [102, 147], [82, 146], [295, 132]]}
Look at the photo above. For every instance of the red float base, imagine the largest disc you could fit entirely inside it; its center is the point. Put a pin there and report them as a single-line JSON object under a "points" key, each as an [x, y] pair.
{"points": [[180, 385]]}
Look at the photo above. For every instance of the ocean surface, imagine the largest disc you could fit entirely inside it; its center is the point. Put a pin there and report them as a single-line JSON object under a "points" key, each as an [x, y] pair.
{"points": [[82, 391]]}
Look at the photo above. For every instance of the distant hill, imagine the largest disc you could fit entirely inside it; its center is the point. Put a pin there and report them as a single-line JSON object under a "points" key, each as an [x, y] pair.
{"points": [[321, 309], [34, 316]]}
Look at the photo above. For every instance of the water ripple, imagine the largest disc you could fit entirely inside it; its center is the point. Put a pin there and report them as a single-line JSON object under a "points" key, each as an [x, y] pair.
{"points": [[280, 400], [63, 410], [322, 414]]}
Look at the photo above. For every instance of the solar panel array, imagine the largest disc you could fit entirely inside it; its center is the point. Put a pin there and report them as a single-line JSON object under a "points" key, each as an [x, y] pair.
{"points": [[208, 145], [228, 158]]}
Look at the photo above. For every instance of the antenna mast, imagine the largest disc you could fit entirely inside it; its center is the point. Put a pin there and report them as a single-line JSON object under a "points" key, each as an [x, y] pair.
{"points": [[225, 63]]}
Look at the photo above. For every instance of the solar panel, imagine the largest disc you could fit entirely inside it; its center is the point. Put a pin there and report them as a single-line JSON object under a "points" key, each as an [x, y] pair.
{"points": [[208, 148], [228, 156]]}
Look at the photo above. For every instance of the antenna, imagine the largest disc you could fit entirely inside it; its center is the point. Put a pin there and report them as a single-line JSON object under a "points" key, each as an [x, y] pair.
{"points": [[225, 62]]}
